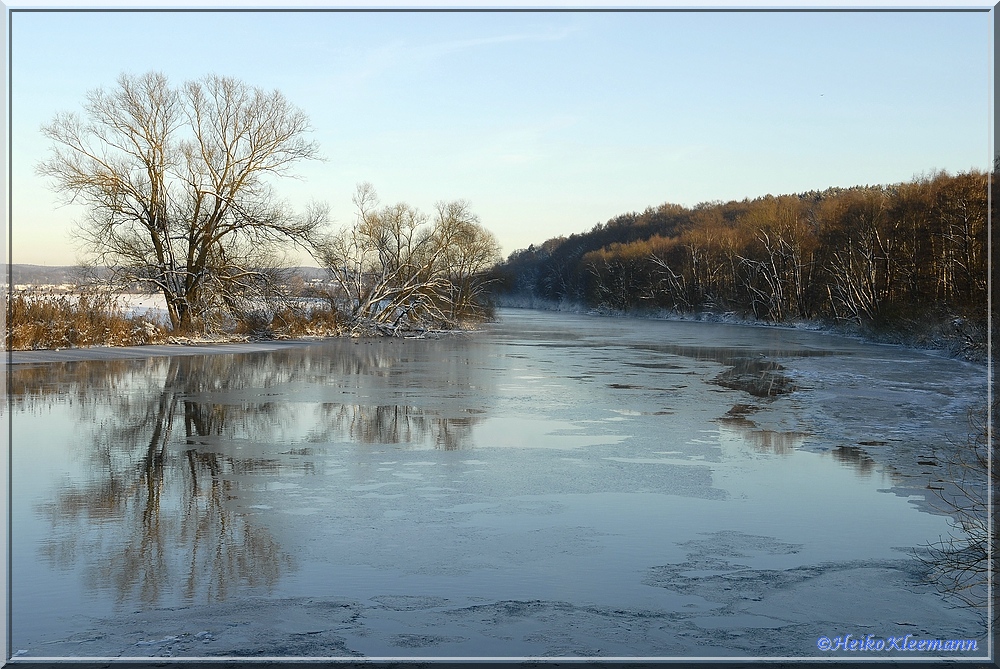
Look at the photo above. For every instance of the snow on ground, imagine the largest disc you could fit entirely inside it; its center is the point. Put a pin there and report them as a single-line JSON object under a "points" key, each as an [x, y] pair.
{"points": [[152, 307]]}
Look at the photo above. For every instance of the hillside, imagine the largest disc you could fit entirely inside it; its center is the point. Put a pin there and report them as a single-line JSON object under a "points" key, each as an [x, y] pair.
{"points": [[52, 275], [904, 262]]}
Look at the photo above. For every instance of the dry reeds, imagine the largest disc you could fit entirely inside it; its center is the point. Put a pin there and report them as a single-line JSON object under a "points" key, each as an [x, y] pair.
{"points": [[53, 321]]}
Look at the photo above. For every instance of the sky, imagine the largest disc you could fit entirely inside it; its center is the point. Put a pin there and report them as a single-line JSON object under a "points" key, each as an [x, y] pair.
{"points": [[546, 122]]}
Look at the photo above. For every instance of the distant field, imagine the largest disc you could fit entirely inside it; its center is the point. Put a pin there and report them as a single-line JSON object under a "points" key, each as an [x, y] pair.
{"points": [[52, 279], [19, 274], [152, 307]]}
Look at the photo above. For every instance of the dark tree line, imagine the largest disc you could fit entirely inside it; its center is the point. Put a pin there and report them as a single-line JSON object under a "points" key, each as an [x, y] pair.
{"points": [[875, 255]]}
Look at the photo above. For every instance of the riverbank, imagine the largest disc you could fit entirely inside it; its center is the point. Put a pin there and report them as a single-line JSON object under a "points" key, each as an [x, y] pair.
{"points": [[76, 321], [186, 346]]}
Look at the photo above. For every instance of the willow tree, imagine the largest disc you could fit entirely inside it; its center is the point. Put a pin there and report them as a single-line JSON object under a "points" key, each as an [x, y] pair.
{"points": [[176, 186], [396, 269]]}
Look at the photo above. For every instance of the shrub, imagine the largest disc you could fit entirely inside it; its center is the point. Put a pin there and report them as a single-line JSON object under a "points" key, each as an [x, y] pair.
{"points": [[291, 321]]}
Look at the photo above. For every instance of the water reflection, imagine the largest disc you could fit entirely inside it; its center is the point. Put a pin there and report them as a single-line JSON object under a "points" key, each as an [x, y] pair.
{"points": [[763, 441], [855, 457], [174, 450], [153, 519], [392, 424], [785, 442]]}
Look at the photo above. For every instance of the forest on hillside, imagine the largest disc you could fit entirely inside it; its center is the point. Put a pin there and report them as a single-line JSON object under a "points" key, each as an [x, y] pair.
{"points": [[880, 257]]}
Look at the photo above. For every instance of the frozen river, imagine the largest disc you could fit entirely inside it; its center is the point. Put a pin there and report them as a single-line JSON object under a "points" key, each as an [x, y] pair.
{"points": [[556, 485]]}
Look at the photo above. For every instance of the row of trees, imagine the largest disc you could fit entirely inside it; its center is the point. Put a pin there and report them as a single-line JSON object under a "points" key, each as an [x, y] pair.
{"points": [[871, 254], [177, 189]]}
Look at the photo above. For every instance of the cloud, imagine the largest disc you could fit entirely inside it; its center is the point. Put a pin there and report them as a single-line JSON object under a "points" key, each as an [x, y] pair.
{"points": [[388, 56]]}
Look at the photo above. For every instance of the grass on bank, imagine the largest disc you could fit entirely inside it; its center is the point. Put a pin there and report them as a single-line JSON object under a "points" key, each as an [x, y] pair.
{"points": [[54, 321], [47, 320]]}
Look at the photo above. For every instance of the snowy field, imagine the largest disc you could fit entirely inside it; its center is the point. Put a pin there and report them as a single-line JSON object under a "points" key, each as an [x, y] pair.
{"points": [[152, 307]]}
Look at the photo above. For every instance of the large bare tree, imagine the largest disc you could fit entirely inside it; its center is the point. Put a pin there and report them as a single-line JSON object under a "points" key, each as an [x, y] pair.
{"points": [[176, 182]]}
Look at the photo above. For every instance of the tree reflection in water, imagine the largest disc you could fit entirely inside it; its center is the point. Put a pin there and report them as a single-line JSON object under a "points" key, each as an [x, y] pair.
{"points": [[172, 440], [155, 516], [392, 424]]}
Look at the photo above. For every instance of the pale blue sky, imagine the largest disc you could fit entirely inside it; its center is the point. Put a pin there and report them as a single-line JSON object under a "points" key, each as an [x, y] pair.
{"points": [[546, 122]]}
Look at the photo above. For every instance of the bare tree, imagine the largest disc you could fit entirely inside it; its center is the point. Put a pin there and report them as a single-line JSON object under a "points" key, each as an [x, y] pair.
{"points": [[176, 184], [467, 251], [960, 564], [861, 254], [395, 269]]}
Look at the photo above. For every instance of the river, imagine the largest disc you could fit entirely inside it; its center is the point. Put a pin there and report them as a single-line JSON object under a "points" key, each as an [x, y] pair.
{"points": [[554, 485]]}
